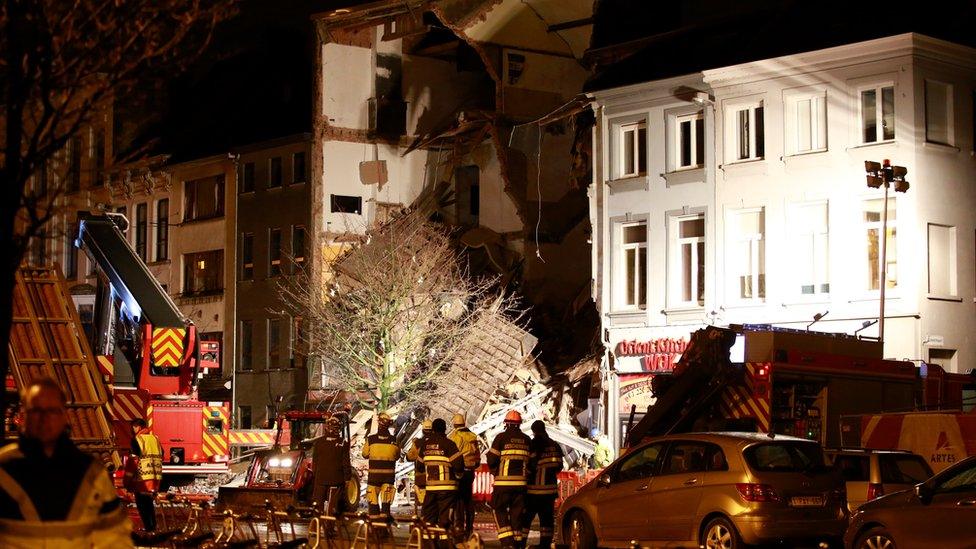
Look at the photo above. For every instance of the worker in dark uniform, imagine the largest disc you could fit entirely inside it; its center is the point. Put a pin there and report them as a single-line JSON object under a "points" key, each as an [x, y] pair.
{"points": [[545, 463], [419, 473], [444, 464], [508, 460], [467, 443], [382, 452], [332, 467]]}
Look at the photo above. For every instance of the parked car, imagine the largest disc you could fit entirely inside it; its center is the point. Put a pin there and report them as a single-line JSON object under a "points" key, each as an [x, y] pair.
{"points": [[940, 512], [716, 490], [871, 474]]}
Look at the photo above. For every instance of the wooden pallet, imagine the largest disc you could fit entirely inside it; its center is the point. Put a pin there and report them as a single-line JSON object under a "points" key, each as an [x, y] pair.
{"points": [[47, 340]]}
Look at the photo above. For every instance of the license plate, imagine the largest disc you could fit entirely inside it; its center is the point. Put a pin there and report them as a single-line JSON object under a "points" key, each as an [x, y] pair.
{"points": [[807, 501]]}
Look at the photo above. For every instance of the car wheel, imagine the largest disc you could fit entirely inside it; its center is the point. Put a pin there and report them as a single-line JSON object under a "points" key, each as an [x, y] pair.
{"points": [[581, 532], [876, 538], [719, 533]]}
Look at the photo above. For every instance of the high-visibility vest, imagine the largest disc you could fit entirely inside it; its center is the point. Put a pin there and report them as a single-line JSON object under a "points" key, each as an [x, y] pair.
{"points": [[509, 458], [382, 452], [545, 464], [150, 469]]}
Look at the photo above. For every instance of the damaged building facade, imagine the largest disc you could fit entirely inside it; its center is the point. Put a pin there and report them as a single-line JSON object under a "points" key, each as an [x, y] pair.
{"points": [[418, 95], [738, 195]]}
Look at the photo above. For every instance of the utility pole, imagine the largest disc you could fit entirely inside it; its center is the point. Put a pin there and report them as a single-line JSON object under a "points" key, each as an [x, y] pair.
{"points": [[883, 175]]}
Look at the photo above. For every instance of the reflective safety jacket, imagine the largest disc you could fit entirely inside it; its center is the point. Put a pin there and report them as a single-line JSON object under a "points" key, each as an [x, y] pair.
{"points": [[467, 443], [545, 463], [419, 471], [382, 452], [149, 472], [442, 461], [508, 458], [65, 500]]}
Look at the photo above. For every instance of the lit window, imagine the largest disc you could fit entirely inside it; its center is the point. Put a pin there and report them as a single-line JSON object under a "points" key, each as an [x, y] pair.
{"points": [[687, 280], [872, 228], [746, 254], [298, 245], [631, 268], [806, 122], [203, 273], [810, 246], [877, 106]]}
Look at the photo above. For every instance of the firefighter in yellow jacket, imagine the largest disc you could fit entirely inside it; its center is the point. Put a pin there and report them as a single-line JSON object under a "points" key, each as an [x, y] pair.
{"points": [[382, 452], [52, 494], [144, 481], [508, 460], [467, 443]]}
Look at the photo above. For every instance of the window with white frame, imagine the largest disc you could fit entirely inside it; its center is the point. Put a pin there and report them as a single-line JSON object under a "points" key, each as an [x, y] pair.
{"points": [[942, 260], [938, 112], [811, 249], [746, 254], [631, 153], [631, 268], [746, 131], [873, 222], [877, 111], [687, 280], [806, 122], [689, 146]]}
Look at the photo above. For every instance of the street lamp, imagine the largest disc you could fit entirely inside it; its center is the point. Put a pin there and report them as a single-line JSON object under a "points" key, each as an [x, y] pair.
{"points": [[883, 175]]}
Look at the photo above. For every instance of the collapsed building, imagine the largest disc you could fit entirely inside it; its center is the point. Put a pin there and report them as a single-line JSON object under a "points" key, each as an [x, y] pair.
{"points": [[462, 94]]}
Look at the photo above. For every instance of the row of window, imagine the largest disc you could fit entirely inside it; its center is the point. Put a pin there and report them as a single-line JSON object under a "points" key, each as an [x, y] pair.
{"points": [[805, 123], [281, 335], [275, 252], [274, 172], [66, 166], [808, 257]]}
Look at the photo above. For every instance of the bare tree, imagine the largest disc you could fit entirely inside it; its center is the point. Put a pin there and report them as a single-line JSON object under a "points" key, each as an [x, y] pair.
{"points": [[386, 323], [61, 63]]}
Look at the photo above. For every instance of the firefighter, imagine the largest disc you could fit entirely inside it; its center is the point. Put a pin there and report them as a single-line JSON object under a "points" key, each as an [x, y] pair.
{"points": [[443, 463], [332, 468], [545, 463], [52, 494], [467, 443], [382, 452], [508, 460], [148, 473], [419, 473]]}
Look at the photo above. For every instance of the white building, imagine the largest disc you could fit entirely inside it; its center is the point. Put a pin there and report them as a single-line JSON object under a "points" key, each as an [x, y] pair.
{"points": [[738, 195]]}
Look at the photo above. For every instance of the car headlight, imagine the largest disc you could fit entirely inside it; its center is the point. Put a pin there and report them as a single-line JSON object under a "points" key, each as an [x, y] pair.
{"points": [[287, 462], [274, 462]]}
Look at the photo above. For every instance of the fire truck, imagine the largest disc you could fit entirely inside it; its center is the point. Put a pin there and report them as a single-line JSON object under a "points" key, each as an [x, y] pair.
{"points": [[151, 355], [785, 381]]}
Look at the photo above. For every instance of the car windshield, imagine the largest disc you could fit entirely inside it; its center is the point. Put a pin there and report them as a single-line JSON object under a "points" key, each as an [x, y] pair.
{"points": [[897, 469], [785, 456]]}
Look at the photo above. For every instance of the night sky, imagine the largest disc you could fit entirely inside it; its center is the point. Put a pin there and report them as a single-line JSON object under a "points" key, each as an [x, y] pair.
{"points": [[254, 82]]}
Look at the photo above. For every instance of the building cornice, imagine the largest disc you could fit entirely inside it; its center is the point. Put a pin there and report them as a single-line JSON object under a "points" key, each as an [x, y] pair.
{"points": [[902, 45], [646, 91]]}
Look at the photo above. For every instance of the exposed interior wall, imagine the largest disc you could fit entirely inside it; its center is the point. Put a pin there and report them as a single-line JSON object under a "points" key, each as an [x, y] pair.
{"points": [[514, 23], [436, 92], [498, 212], [347, 83]]}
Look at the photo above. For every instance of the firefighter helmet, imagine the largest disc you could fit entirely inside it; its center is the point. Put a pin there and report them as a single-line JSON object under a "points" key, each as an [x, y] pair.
{"points": [[383, 419], [513, 417], [458, 420], [426, 426]]}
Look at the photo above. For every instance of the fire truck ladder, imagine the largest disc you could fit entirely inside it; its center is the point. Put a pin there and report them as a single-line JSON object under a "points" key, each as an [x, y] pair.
{"points": [[47, 340]]}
